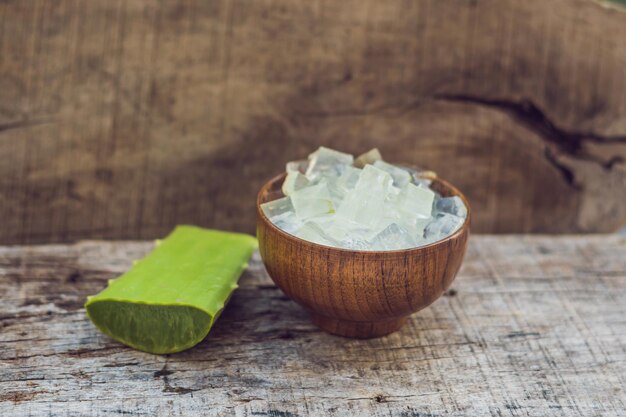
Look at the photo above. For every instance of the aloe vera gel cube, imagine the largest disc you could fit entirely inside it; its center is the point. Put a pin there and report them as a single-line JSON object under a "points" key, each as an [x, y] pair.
{"points": [[401, 177], [170, 299], [277, 207], [314, 233], [293, 182], [316, 201], [327, 162], [365, 204], [452, 205]]}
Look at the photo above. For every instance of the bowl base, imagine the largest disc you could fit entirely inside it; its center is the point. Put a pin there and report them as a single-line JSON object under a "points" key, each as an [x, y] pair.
{"points": [[357, 329]]}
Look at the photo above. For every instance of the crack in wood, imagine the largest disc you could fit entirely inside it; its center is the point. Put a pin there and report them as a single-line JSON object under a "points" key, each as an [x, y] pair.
{"points": [[522, 334], [413, 413], [569, 142], [566, 172], [164, 374], [121, 365], [532, 116], [274, 413]]}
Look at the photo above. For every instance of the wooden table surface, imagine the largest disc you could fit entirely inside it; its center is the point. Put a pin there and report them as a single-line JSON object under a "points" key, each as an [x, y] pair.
{"points": [[533, 326]]}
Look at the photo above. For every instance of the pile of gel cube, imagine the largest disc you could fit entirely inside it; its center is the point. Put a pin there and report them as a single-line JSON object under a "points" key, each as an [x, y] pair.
{"points": [[364, 204]]}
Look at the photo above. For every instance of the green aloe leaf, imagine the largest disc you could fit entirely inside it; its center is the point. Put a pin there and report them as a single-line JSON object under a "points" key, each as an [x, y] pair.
{"points": [[170, 299]]}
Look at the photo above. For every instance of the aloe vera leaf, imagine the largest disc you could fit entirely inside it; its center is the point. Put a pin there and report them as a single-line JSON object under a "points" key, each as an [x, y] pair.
{"points": [[170, 299]]}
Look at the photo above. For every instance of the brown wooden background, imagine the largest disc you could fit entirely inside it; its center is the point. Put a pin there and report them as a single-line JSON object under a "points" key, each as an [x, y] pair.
{"points": [[120, 119]]}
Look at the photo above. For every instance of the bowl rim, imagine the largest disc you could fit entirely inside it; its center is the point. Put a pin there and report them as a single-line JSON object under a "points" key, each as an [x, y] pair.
{"points": [[311, 245]]}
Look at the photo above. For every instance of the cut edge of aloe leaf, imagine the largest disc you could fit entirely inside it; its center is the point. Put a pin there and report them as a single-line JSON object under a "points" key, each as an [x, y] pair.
{"points": [[169, 300], [141, 325]]}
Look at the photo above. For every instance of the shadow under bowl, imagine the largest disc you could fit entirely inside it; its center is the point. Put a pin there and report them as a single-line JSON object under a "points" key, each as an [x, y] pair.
{"points": [[359, 294]]}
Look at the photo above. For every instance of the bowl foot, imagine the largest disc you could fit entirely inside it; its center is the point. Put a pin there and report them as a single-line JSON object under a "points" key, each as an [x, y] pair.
{"points": [[358, 329]]}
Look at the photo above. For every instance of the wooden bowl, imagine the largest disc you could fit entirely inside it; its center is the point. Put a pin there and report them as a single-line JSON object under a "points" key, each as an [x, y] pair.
{"points": [[361, 294]]}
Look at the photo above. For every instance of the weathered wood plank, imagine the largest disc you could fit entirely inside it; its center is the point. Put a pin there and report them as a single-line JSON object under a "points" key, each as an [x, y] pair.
{"points": [[533, 326], [123, 119]]}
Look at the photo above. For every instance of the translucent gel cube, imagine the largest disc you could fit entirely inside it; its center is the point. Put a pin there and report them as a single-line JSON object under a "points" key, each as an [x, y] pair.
{"points": [[414, 201], [288, 222], [451, 205], [365, 204], [312, 201], [401, 177], [393, 237], [444, 225], [314, 233], [294, 182], [327, 162], [277, 207]]}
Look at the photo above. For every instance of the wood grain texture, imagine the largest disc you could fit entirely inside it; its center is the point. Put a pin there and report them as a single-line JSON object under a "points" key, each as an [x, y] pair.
{"points": [[532, 326], [120, 119], [355, 293]]}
